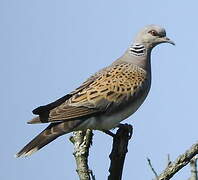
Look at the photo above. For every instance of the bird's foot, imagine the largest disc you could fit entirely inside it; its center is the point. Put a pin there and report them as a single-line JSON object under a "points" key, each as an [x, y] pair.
{"points": [[128, 127], [109, 133]]}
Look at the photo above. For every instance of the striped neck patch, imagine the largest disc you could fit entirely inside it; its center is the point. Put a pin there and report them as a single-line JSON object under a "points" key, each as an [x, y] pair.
{"points": [[137, 49]]}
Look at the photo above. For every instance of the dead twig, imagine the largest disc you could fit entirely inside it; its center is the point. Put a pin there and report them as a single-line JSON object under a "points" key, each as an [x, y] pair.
{"points": [[119, 150], [179, 163], [152, 169]]}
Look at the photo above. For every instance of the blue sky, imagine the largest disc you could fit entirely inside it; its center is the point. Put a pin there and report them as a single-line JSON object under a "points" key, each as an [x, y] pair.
{"points": [[48, 48]]}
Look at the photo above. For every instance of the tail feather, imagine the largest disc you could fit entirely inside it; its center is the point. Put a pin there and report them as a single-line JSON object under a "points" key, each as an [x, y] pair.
{"points": [[40, 141], [36, 120]]}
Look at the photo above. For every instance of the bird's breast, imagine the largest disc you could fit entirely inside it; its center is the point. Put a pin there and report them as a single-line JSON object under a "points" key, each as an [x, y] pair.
{"points": [[109, 120]]}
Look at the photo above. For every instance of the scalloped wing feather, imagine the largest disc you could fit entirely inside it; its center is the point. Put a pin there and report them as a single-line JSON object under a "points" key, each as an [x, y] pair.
{"points": [[112, 86]]}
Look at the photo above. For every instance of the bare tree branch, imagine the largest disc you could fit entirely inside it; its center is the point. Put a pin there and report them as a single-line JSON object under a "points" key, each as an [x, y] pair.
{"points": [[193, 164], [152, 169], [119, 150], [82, 141], [168, 160], [179, 163]]}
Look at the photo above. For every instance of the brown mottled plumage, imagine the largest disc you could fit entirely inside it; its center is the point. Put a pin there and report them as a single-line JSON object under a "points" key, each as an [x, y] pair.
{"points": [[116, 83]]}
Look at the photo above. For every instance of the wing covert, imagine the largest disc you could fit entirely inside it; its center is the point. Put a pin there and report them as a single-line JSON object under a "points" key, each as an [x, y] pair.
{"points": [[113, 86]]}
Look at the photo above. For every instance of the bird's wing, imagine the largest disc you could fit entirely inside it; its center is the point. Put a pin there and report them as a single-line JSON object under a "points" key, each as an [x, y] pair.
{"points": [[113, 85], [46, 108], [44, 111]]}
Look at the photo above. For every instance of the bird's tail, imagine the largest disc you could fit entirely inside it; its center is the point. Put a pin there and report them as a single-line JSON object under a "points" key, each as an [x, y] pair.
{"points": [[45, 137]]}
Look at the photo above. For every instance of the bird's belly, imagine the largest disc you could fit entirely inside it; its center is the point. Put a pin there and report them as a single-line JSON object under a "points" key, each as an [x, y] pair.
{"points": [[108, 121], [112, 120]]}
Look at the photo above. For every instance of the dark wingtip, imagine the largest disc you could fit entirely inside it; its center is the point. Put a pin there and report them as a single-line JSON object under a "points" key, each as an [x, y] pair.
{"points": [[46, 108], [38, 110]]}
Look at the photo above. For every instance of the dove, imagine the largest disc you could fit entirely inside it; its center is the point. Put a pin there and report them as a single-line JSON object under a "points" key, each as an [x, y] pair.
{"points": [[106, 98]]}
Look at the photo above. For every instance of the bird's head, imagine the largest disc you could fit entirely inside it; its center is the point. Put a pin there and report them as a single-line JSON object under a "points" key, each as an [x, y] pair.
{"points": [[152, 35]]}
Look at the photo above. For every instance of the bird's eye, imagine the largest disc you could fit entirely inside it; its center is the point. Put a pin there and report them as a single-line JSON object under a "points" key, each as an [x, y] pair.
{"points": [[153, 32]]}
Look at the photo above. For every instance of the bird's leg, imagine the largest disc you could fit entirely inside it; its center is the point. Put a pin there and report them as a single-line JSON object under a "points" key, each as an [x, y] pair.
{"points": [[109, 133], [120, 125], [128, 126]]}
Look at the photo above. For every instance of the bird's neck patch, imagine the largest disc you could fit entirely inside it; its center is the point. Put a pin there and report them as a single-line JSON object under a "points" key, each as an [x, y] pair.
{"points": [[137, 49]]}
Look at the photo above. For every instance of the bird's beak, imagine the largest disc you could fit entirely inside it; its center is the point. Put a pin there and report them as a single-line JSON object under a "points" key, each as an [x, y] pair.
{"points": [[167, 40]]}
